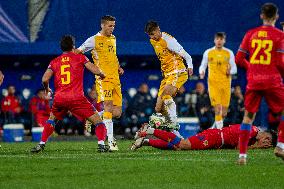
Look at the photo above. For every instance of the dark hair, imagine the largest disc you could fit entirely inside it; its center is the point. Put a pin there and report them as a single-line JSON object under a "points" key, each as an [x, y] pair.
{"points": [[39, 90], [220, 34], [151, 26], [269, 10], [106, 18], [67, 43]]}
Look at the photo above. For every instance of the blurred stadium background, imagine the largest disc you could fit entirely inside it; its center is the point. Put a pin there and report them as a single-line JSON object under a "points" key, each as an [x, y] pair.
{"points": [[30, 31]]}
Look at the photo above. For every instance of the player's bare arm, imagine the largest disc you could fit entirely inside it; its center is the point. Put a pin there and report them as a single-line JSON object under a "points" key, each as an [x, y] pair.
{"points": [[95, 69], [45, 80]]}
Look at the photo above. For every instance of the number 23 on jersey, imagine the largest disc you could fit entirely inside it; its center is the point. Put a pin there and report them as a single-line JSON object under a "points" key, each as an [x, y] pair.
{"points": [[258, 45]]}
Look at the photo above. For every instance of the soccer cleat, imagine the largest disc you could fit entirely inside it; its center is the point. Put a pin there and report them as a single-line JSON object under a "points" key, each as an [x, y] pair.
{"points": [[279, 152], [103, 148], [142, 131], [113, 145], [242, 161], [137, 144], [38, 148]]}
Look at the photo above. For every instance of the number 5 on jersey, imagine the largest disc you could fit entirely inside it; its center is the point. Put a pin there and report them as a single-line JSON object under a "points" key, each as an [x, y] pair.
{"points": [[65, 79]]}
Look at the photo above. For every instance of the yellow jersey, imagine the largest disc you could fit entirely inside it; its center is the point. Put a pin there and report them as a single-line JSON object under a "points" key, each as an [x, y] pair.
{"points": [[103, 53], [171, 62], [218, 62]]}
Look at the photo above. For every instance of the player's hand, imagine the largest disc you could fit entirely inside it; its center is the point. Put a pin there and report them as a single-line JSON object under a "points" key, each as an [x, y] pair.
{"points": [[101, 75], [228, 72], [77, 51], [48, 93], [202, 75], [120, 71], [190, 71]]}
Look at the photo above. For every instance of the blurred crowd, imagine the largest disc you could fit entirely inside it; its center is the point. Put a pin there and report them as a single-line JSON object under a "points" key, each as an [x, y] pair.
{"points": [[138, 106]]}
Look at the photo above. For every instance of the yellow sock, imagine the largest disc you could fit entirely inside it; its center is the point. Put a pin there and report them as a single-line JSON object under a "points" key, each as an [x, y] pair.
{"points": [[107, 115], [166, 97], [218, 117]]}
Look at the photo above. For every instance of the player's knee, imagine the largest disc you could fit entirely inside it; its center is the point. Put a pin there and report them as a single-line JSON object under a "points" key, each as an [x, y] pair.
{"points": [[117, 113], [158, 109]]}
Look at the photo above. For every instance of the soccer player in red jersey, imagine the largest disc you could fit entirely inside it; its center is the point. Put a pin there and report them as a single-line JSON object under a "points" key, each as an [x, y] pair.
{"points": [[228, 138], [264, 46], [68, 72]]}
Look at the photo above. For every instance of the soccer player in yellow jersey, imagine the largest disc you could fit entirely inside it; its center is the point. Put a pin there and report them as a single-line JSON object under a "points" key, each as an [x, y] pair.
{"points": [[175, 74], [103, 46], [221, 65]]}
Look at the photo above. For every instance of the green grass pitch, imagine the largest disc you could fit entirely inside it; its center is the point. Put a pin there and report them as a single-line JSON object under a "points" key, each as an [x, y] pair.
{"points": [[78, 165]]}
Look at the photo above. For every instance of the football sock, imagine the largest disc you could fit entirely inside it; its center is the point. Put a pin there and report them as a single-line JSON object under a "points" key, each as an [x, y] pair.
{"points": [[219, 121], [47, 130], [150, 131], [167, 136], [158, 143], [244, 138], [170, 107], [100, 131], [280, 140], [107, 119]]}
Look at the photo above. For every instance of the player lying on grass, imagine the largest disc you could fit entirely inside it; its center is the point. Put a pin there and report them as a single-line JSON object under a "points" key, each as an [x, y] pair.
{"points": [[227, 138], [68, 72]]}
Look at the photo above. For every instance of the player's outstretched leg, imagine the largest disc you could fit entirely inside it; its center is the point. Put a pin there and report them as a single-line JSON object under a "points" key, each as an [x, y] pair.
{"points": [[47, 131], [156, 143], [107, 119], [100, 130], [279, 149]]}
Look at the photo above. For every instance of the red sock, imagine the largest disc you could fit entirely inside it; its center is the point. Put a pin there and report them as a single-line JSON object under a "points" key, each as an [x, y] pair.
{"points": [[101, 131], [281, 131], [244, 137], [47, 131], [158, 143]]}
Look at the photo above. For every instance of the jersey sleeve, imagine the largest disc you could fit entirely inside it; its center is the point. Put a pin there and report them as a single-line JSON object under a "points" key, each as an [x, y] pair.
{"points": [[244, 47], [280, 56], [174, 46], [88, 45], [204, 62], [232, 63], [51, 66]]}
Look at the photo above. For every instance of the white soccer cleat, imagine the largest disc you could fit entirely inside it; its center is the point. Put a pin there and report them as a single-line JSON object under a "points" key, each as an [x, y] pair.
{"points": [[137, 144], [141, 132], [113, 145]]}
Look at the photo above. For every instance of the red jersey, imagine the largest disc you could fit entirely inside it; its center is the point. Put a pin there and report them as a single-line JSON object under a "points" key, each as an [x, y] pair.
{"points": [[228, 137], [231, 135], [265, 47], [12, 104], [68, 70]]}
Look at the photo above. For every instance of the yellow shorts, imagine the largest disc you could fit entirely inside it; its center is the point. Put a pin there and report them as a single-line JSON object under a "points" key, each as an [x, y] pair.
{"points": [[219, 92], [177, 80], [109, 90]]}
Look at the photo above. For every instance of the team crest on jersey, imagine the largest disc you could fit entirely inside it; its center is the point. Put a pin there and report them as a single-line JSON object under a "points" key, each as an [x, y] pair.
{"points": [[101, 44], [201, 138], [65, 59], [205, 142], [211, 59]]}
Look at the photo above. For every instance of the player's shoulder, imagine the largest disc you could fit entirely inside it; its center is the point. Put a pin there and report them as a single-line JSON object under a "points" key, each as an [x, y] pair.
{"points": [[167, 36], [209, 50], [228, 50]]}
